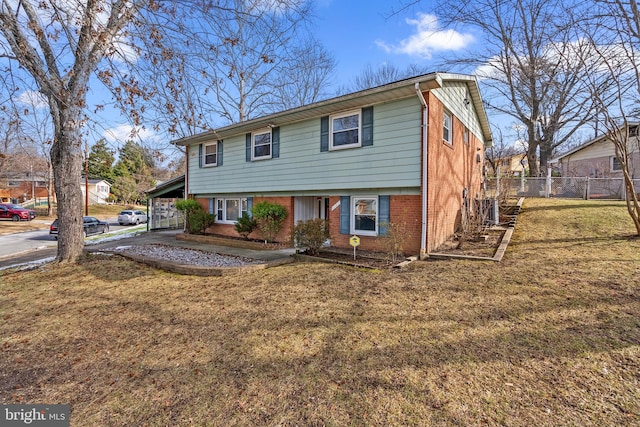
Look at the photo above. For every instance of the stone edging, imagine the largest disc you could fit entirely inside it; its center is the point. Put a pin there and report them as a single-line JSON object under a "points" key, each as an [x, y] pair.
{"points": [[198, 270]]}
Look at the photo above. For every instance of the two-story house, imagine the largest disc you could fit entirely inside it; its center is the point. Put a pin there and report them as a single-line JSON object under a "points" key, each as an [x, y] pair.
{"points": [[408, 153]]}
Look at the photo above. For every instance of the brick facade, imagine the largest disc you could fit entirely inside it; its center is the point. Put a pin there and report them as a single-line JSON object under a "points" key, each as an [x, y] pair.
{"points": [[283, 236], [404, 211], [452, 169]]}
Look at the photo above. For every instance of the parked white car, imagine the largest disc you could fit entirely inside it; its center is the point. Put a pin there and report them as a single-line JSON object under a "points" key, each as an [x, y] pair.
{"points": [[132, 217]]}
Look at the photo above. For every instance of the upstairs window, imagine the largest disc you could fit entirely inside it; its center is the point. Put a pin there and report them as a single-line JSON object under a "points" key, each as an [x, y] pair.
{"points": [[261, 145], [447, 127], [345, 130], [210, 154]]}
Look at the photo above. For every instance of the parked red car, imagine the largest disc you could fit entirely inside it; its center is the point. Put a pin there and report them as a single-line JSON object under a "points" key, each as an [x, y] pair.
{"points": [[16, 212]]}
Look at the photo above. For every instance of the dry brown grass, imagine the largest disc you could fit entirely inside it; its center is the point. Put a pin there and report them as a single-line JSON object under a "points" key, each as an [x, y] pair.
{"points": [[548, 337]]}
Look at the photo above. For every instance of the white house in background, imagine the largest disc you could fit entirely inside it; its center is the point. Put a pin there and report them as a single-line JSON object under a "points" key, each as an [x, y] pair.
{"points": [[99, 191]]}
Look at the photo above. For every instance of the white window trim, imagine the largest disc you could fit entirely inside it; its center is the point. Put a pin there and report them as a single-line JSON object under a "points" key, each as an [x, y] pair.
{"points": [[204, 154], [352, 214], [224, 209], [447, 114], [338, 116], [611, 163], [253, 144]]}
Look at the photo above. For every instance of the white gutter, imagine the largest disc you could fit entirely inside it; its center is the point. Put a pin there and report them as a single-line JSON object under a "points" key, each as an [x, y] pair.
{"points": [[425, 133]]}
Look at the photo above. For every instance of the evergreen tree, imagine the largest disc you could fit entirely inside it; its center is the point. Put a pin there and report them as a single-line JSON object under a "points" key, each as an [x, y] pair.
{"points": [[101, 160], [134, 169]]}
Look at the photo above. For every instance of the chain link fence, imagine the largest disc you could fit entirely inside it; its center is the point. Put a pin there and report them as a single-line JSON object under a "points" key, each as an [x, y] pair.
{"points": [[561, 187]]}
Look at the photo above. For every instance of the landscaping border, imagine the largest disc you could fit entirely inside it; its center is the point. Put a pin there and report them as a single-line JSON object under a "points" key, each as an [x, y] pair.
{"points": [[502, 247], [198, 270]]}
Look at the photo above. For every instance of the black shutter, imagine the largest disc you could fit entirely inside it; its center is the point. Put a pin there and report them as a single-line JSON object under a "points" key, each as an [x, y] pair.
{"points": [[248, 147], [324, 133], [200, 155], [275, 142], [367, 126]]}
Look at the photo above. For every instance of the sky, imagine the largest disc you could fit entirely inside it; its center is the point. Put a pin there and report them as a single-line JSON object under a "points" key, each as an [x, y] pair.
{"points": [[361, 33], [358, 33], [367, 32]]}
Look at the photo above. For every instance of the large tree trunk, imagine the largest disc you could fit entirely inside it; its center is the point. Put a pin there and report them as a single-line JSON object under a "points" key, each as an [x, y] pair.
{"points": [[545, 155], [66, 157]]}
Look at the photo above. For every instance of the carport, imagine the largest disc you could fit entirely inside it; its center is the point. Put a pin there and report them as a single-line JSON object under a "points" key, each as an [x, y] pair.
{"points": [[161, 204]]}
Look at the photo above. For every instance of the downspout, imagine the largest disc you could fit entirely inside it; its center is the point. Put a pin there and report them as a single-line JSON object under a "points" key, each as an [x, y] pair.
{"points": [[425, 157], [185, 196]]}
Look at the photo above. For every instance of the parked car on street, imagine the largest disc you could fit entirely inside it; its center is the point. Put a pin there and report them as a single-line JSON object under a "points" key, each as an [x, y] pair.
{"points": [[91, 226], [16, 212], [132, 217]]}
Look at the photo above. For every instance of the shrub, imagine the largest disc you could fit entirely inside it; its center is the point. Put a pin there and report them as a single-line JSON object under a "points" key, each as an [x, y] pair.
{"points": [[311, 234], [270, 218], [200, 220], [394, 238], [245, 225], [195, 217]]}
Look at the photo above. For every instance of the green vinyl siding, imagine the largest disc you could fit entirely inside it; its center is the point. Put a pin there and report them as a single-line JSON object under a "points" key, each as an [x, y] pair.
{"points": [[453, 95], [393, 161]]}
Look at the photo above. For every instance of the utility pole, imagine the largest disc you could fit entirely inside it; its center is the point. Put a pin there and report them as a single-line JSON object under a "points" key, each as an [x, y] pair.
{"points": [[33, 194], [86, 178]]}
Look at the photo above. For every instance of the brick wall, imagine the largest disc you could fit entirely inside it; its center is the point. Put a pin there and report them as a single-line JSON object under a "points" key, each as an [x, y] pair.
{"points": [[451, 169], [404, 210], [229, 229]]}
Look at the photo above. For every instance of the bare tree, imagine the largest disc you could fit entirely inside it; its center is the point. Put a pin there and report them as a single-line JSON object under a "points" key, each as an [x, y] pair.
{"points": [[305, 76], [255, 41], [60, 46], [377, 76], [614, 35], [135, 47], [529, 65], [501, 150]]}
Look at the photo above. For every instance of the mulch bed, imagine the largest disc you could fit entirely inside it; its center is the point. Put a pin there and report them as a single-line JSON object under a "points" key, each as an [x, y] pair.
{"points": [[484, 245], [364, 259]]}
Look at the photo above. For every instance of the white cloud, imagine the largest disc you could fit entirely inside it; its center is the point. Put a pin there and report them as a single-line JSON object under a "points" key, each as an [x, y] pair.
{"points": [[33, 99], [123, 133], [428, 38]]}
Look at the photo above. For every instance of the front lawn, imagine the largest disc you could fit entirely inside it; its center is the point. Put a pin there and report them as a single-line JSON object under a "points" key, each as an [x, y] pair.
{"points": [[549, 336]]}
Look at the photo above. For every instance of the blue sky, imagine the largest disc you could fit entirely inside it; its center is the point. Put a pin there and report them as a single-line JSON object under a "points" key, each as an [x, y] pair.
{"points": [[358, 33], [362, 32]]}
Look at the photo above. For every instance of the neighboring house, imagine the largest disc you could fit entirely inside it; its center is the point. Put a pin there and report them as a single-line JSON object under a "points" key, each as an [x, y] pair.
{"points": [[99, 191], [512, 165], [597, 158], [18, 187], [408, 153]]}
